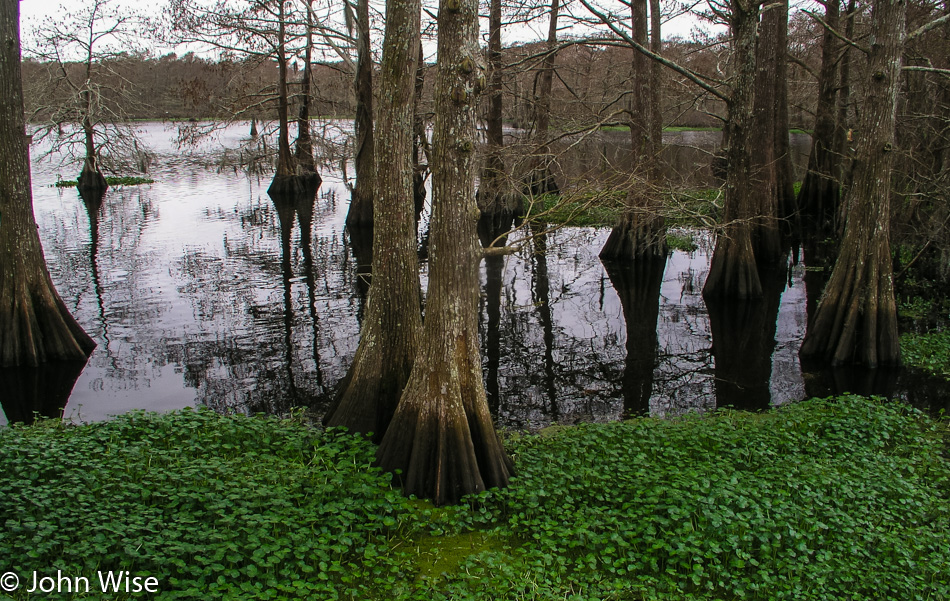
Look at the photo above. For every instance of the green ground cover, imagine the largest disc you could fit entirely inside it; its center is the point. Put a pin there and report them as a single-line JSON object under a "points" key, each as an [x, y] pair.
{"points": [[827, 499]]}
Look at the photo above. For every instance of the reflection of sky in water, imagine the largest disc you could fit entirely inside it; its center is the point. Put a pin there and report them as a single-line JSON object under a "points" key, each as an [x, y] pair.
{"points": [[190, 302]]}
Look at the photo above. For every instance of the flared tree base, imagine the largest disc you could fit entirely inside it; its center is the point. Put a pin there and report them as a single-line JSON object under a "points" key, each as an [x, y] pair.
{"points": [[291, 186], [637, 236], [732, 271], [92, 181], [442, 444]]}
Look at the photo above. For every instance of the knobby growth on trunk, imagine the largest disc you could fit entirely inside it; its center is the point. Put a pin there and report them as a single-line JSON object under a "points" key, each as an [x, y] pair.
{"points": [[442, 439], [856, 319], [361, 212], [371, 389], [35, 325]]}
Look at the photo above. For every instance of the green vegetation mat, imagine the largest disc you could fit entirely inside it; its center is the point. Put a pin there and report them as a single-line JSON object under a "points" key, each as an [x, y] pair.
{"points": [[844, 498], [112, 181], [930, 352]]}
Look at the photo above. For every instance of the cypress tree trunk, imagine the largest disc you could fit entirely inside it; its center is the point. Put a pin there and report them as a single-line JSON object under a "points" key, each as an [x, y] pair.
{"points": [[284, 181], [442, 439], [732, 272], [641, 231], [361, 205], [769, 54], [540, 180], [420, 140], [304, 151], [90, 178], [35, 325], [818, 197], [497, 200], [370, 391], [787, 206], [656, 79], [856, 319]]}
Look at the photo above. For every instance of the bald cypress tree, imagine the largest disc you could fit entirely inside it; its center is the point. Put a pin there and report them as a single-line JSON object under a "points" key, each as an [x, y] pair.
{"points": [[35, 325], [371, 389], [856, 319], [442, 443]]}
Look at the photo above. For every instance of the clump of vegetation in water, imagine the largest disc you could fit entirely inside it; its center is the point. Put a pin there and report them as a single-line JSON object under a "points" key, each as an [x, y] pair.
{"points": [[690, 208], [930, 352], [681, 240], [112, 181], [826, 499]]}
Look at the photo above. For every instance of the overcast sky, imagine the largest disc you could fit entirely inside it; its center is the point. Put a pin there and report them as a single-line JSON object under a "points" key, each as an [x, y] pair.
{"points": [[33, 11]]}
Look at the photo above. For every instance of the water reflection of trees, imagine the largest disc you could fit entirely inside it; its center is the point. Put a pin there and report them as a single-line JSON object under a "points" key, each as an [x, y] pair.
{"points": [[557, 353], [638, 285], [37, 391], [282, 317]]}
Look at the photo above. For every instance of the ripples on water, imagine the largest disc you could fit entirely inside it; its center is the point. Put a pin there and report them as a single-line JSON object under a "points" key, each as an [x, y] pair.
{"points": [[199, 289]]}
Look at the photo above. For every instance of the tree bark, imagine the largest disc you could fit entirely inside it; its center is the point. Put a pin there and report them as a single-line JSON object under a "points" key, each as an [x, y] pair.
{"points": [[284, 182], [769, 58], [856, 319], [35, 325], [818, 197], [90, 178], [304, 151], [361, 212], [442, 439], [656, 78], [787, 207], [496, 199], [540, 179], [370, 391], [732, 272], [641, 231]]}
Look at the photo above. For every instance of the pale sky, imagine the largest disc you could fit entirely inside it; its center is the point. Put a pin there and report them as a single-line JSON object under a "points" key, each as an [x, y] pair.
{"points": [[32, 11]]}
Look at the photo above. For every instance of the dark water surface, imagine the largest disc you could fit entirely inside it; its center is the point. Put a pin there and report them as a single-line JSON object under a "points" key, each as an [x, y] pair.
{"points": [[200, 289]]}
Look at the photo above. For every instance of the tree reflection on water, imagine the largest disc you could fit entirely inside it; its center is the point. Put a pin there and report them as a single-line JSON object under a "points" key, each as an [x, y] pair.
{"points": [[200, 289]]}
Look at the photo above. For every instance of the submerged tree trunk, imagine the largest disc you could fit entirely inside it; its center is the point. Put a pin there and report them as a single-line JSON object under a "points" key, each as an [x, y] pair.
{"points": [[818, 197], [284, 181], [769, 68], [90, 178], [656, 78], [304, 151], [35, 325], [540, 179], [641, 231], [442, 442], [370, 391], [361, 204], [856, 319], [497, 199], [732, 271]]}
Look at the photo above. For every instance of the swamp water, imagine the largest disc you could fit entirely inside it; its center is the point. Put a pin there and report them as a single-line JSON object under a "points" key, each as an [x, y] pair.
{"points": [[201, 290]]}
